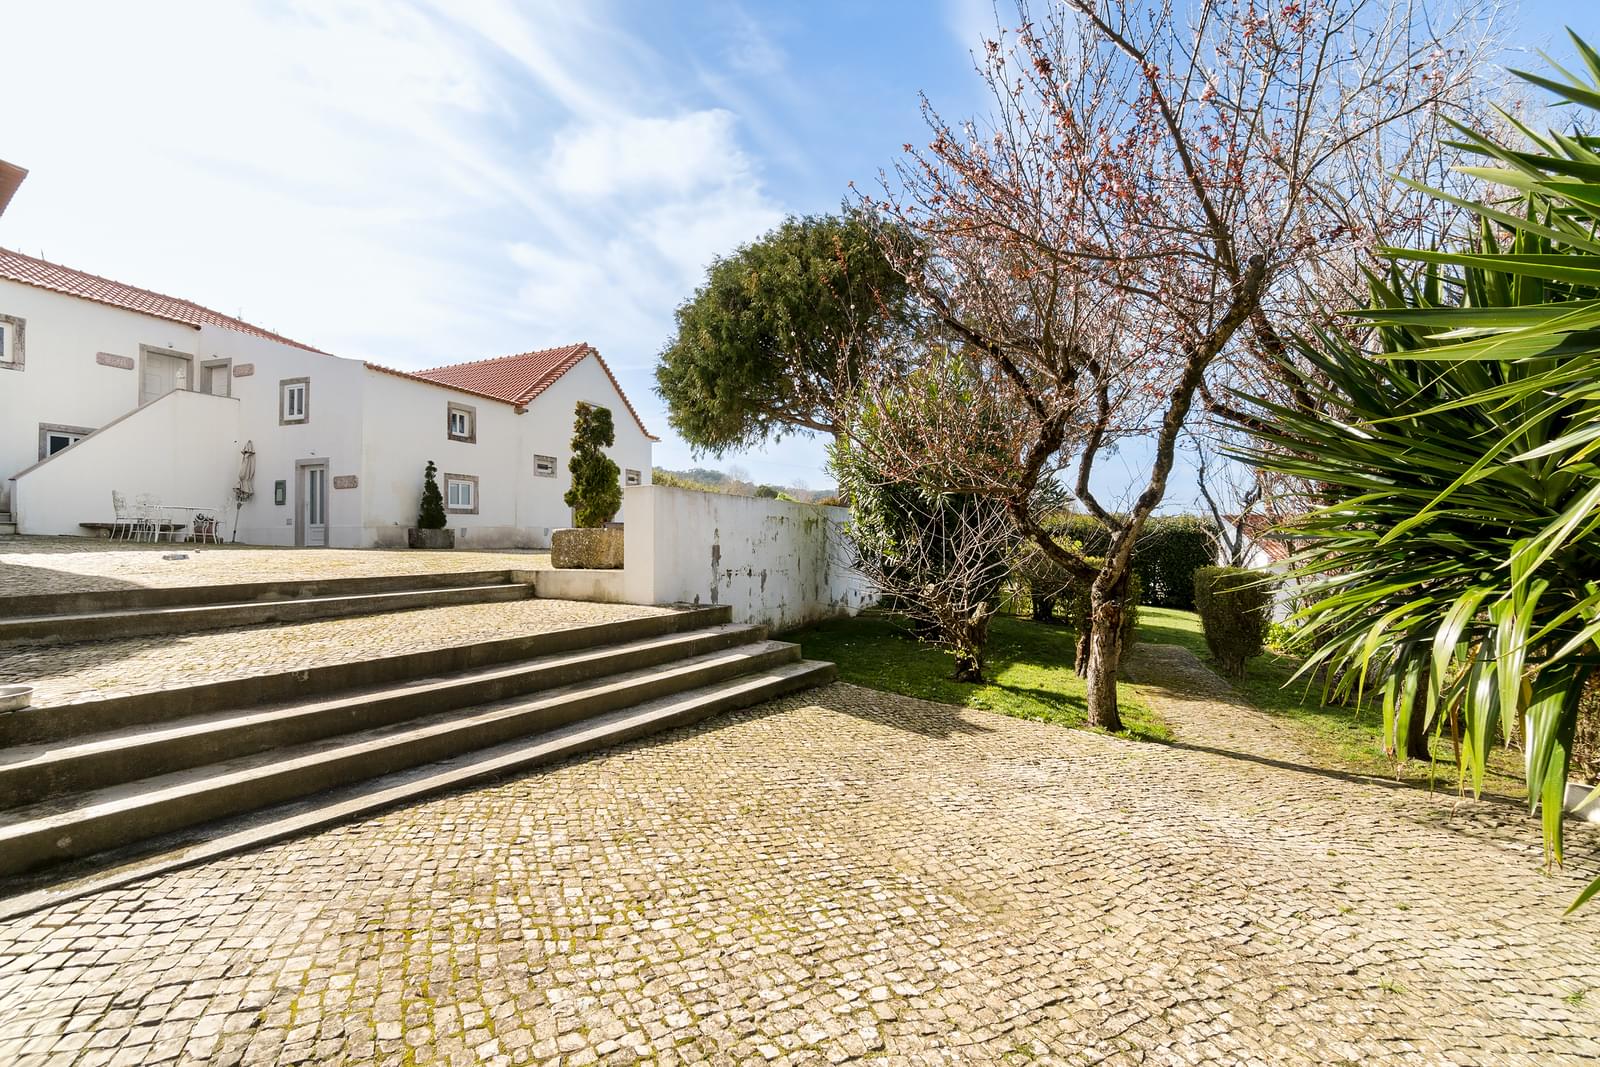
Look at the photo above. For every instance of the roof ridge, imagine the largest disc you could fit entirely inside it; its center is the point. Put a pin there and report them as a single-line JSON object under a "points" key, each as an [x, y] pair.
{"points": [[502, 359], [262, 330]]}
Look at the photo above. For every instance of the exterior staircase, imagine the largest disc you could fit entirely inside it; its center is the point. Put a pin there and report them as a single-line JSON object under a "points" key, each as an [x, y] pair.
{"points": [[8, 525], [106, 614], [191, 773]]}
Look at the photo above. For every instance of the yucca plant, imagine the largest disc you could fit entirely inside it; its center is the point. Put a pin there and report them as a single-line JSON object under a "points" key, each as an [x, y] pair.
{"points": [[1455, 563]]}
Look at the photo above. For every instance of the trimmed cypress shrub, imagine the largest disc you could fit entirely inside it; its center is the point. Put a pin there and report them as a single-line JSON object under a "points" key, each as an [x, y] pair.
{"points": [[431, 515], [1235, 609], [596, 493]]}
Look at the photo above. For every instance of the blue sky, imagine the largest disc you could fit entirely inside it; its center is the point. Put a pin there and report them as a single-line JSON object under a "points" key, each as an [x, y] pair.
{"points": [[430, 182]]}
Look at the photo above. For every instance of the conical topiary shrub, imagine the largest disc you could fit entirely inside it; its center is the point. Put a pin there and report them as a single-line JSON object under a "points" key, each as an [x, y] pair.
{"points": [[596, 493], [432, 515]]}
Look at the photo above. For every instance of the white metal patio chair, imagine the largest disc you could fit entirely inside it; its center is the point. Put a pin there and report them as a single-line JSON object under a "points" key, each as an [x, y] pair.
{"points": [[148, 507], [126, 518]]}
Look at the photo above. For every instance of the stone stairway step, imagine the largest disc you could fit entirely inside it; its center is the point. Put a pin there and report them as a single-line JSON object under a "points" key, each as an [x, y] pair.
{"points": [[20, 895], [67, 721], [29, 773], [82, 824], [170, 596], [140, 622]]}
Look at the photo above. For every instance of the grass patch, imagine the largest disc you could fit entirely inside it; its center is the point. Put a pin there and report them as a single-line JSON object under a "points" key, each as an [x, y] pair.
{"points": [[1352, 736], [1029, 668]]}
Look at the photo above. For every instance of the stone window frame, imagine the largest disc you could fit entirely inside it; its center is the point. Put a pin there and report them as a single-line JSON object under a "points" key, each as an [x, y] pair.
{"points": [[632, 477], [283, 402], [469, 479], [14, 344], [471, 436], [48, 428], [555, 465]]}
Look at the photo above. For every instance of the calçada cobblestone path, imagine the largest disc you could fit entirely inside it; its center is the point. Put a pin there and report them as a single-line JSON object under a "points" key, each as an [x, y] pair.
{"points": [[850, 876]]}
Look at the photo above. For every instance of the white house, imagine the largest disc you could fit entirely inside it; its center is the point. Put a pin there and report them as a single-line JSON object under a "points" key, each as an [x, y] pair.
{"points": [[106, 388]]}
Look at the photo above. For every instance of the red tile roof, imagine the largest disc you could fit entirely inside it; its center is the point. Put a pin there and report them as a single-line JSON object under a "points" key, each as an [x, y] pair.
{"points": [[415, 377], [16, 267], [519, 379]]}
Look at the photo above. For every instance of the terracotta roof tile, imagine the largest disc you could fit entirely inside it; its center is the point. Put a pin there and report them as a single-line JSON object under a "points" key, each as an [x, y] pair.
{"points": [[16, 267], [520, 378]]}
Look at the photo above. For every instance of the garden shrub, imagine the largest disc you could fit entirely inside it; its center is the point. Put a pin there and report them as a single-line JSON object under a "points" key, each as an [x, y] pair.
{"points": [[1169, 551], [431, 516], [596, 493], [1235, 608]]}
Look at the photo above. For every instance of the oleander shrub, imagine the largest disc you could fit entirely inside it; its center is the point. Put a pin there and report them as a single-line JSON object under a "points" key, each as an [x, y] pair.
{"points": [[1235, 609]]}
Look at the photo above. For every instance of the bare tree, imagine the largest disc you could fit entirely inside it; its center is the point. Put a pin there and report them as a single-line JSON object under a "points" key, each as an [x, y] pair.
{"points": [[1144, 186], [1231, 494]]}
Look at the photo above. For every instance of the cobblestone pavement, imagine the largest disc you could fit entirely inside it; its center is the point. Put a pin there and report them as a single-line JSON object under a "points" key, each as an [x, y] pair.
{"points": [[846, 875], [30, 565], [95, 670]]}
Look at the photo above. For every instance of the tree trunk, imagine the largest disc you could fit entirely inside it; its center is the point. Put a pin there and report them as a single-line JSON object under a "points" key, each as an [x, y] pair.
{"points": [[969, 666], [1105, 654], [1417, 733], [1044, 608]]}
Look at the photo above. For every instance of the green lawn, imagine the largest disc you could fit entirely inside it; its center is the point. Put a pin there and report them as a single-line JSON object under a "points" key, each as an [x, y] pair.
{"points": [[1030, 676], [1353, 736], [1029, 669]]}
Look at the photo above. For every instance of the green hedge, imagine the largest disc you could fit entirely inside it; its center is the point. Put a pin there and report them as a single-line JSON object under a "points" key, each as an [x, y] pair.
{"points": [[1235, 608], [1169, 550]]}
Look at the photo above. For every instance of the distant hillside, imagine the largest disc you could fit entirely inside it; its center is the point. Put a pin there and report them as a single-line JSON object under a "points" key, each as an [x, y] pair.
{"points": [[736, 483]]}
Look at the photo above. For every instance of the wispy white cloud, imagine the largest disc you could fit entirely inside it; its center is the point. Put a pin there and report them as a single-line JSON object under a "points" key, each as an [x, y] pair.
{"points": [[412, 182], [645, 155]]}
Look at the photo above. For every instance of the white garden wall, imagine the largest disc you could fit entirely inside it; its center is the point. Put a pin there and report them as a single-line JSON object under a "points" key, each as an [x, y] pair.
{"points": [[774, 562], [181, 449]]}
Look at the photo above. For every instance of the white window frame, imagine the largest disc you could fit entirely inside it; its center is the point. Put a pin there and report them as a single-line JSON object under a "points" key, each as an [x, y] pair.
{"points": [[632, 477], [6, 333], [70, 439], [540, 461], [288, 391]]}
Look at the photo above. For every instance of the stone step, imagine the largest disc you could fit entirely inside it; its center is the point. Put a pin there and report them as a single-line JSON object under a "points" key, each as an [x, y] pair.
{"points": [[172, 596], [29, 773], [143, 622], [20, 895], [67, 721], [82, 824]]}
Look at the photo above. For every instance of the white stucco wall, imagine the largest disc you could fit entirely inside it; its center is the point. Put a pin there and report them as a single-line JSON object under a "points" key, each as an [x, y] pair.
{"points": [[772, 561], [61, 382], [333, 432], [406, 427], [178, 449]]}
